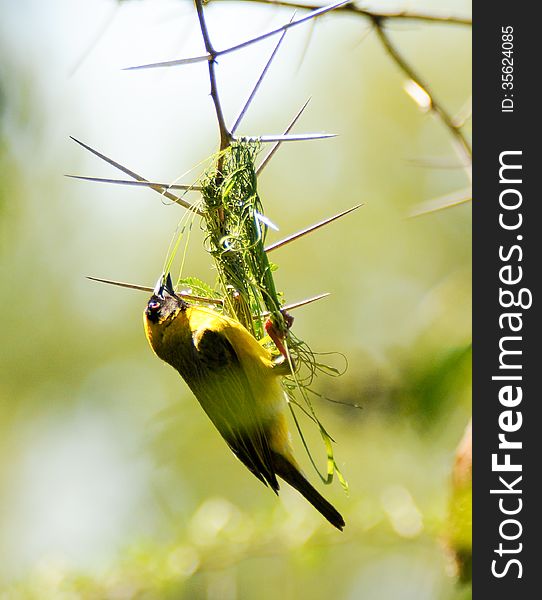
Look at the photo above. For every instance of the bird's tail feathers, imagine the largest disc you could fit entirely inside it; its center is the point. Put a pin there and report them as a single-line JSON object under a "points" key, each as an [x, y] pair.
{"points": [[291, 474]]}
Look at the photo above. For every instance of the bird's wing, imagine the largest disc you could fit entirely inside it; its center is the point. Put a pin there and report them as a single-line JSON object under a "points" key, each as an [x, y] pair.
{"points": [[223, 389]]}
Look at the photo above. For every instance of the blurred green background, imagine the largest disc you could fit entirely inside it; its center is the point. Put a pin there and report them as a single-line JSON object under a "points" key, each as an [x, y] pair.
{"points": [[113, 484]]}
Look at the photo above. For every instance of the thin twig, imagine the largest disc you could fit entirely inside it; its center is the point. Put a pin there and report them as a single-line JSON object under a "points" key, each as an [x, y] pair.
{"points": [[225, 135], [464, 114], [461, 141], [351, 7]]}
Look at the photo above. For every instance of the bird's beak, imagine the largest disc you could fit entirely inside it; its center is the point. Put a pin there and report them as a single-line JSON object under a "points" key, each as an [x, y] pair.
{"points": [[164, 284], [168, 286], [159, 288]]}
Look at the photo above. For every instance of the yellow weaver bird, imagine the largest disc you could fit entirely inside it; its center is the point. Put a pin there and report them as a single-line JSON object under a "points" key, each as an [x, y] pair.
{"points": [[237, 384]]}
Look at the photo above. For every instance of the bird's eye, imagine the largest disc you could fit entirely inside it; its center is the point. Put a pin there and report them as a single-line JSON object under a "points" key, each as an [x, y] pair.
{"points": [[154, 305]]}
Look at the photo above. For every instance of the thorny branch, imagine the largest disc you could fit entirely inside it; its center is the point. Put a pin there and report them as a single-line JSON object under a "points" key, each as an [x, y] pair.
{"points": [[454, 126], [408, 70], [225, 135], [379, 19], [351, 7], [216, 53]]}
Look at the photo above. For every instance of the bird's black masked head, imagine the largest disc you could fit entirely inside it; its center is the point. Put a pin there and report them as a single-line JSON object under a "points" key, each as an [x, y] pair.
{"points": [[164, 303]]}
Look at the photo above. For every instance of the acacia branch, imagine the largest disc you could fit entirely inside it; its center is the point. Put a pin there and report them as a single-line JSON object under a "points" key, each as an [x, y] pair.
{"points": [[216, 53], [435, 106], [378, 19], [351, 7], [225, 135]]}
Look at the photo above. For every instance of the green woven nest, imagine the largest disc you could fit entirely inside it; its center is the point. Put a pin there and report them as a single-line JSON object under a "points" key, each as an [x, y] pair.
{"points": [[236, 231]]}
